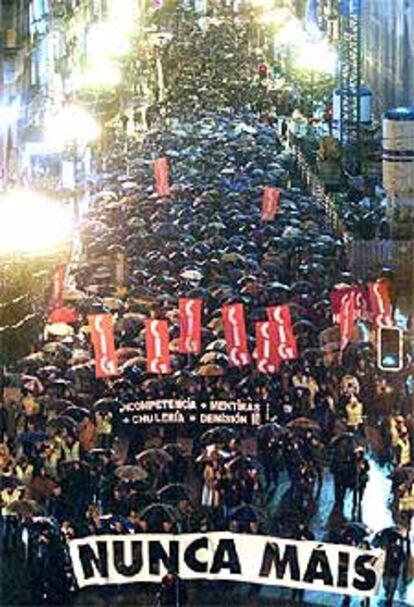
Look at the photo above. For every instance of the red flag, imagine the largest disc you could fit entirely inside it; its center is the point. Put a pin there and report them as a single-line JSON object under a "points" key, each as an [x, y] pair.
{"points": [[287, 346], [267, 347], [68, 316], [190, 326], [361, 301], [235, 334], [347, 318], [162, 176], [270, 203], [157, 343], [58, 286], [380, 303], [102, 335]]}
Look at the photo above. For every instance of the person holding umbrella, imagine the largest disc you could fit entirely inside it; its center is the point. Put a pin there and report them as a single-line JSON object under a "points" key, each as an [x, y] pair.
{"points": [[394, 561], [361, 478]]}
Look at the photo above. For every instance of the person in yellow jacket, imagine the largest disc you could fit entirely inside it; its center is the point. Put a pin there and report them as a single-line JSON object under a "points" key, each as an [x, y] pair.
{"points": [[403, 449], [406, 504], [354, 414]]}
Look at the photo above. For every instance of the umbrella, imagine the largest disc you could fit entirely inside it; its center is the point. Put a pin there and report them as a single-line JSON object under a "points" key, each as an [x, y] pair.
{"points": [[217, 435], [106, 404], [213, 357], [55, 347], [156, 457], [62, 422], [76, 413], [33, 384], [131, 473], [34, 361], [155, 514], [193, 275], [304, 423], [25, 507], [173, 493], [270, 431], [388, 536], [356, 531], [59, 329], [211, 370]]}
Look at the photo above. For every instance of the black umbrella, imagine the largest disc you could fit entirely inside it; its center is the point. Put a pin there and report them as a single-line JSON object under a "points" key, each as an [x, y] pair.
{"points": [[76, 413], [355, 531], [388, 536], [155, 514], [173, 493]]}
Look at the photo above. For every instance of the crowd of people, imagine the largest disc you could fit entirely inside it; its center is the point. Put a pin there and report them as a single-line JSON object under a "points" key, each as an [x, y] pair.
{"points": [[68, 466], [68, 469]]}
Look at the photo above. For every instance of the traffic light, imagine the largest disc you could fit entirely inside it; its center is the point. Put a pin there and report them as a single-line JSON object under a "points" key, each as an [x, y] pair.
{"points": [[390, 349]]}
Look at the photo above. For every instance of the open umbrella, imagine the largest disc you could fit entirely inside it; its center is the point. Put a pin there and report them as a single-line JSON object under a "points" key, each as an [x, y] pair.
{"points": [[270, 431], [62, 422], [388, 536], [356, 531], [157, 457], [213, 357], [107, 404], [211, 370], [130, 473], [173, 493], [243, 463], [217, 435], [154, 514], [304, 423], [33, 384], [76, 413], [25, 508]]}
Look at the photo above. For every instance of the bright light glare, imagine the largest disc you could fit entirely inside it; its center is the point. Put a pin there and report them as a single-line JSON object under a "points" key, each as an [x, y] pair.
{"points": [[104, 73], [291, 33], [72, 124], [264, 4], [316, 57], [32, 225]]}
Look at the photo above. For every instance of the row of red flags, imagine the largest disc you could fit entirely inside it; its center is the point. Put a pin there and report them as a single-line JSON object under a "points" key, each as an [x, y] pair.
{"points": [[372, 303], [270, 199], [275, 340]]}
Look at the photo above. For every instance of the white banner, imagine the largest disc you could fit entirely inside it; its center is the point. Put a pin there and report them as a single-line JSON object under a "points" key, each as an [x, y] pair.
{"points": [[257, 559]]}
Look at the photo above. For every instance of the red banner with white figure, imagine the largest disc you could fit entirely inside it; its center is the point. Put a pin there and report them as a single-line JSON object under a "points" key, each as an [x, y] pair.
{"points": [[102, 336], [58, 287], [361, 303], [347, 317], [287, 346], [190, 326], [267, 347], [162, 176], [380, 303], [235, 335], [270, 203], [158, 346]]}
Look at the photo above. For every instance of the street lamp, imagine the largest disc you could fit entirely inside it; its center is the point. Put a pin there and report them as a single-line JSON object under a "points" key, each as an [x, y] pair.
{"points": [[35, 235], [33, 226]]}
